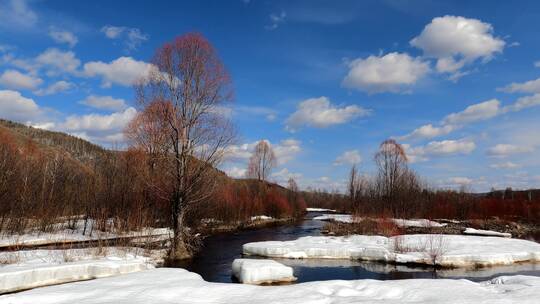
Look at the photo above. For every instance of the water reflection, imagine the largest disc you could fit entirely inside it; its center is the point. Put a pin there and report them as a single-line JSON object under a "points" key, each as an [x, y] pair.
{"points": [[214, 261]]}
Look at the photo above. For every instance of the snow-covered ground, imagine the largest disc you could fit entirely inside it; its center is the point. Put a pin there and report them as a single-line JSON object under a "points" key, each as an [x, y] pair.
{"points": [[169, 285], [319, 210], [28, 269], [261, 218], [347, 218], [429, 249], [486, 232], [258, 271], [65, 235]]}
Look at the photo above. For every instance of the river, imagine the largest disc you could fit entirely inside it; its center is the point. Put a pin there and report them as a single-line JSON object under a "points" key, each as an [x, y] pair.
{"points": [[214, 261]]}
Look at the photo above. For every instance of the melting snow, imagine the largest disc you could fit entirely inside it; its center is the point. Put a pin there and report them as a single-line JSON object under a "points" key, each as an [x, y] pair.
{"points": [[257, 271]]}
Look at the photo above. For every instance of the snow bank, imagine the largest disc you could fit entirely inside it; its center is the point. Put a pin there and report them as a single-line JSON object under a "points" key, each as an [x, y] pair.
{"points": [[417, 223], [65, 235], [347, 218], [319, 210], [256, 271], [429, 249], [169, 285], [486, 232], [343, 218], [261, 218], [46, 267]]}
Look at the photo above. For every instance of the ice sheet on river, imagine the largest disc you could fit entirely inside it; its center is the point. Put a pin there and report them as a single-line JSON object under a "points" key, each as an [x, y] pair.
{"points": [[443, 250], [347, 218], [259, 271], [169, 285]]}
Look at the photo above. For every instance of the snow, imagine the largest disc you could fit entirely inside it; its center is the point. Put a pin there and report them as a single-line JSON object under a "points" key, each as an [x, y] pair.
{"points": [[30, 269], [486, 232], [347, 218], [170, 285], [443, 250], [65, 235], [343, 218], [257, 271], [417, 223], [261, 218], [319, 210]]}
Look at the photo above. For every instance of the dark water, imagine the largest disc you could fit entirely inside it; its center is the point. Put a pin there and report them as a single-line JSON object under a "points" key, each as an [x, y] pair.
{"points": [[215, 260]]}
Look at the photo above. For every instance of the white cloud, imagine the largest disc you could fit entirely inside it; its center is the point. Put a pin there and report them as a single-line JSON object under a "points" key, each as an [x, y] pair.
{"points": [[505, 165], [236, 172], [13, 79], [133, 37], [504, 150], [97, 122], [531, 86], [537, 64], [348, 157], [123, 71], [57, 87], [62, 36], [392, 72], [104, 102], [282, 176], [460, 181], [276, 20], [456, 41], [58, 61], [285, 151], [428, 131], [476, 112], [16, 14], [524, 103], [14, 106], [269, 113], [439, 149], [320, 113]]}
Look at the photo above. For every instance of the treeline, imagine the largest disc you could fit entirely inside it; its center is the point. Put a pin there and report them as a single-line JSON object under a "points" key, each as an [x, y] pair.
{"points": [[41, 184], [397, 191]]}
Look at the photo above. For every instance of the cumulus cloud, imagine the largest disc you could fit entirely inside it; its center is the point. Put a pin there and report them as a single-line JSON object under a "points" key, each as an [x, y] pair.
{"points": [[63, 36], [537, 64], [13, 79], [393, 72], [57, 87], [504, 150], [282, 176], [456, 41], [531, 86], [439, 149], [321, 113], [132, 37], [123, 71], [285, 151], [58, 61], [460, 181], [473, 113], [505, 165], [348, 158], [236, 172], [269, 113], [104, 102], [14, 106], [16, 14]]}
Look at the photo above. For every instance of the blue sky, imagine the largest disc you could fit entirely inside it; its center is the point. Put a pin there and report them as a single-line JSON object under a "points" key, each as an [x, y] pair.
{"points": [[456, 82]]}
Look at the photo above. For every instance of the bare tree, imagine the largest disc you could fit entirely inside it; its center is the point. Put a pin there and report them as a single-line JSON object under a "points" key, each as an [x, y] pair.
{"points": [[189, 83], [392, 167], [261, 162]]}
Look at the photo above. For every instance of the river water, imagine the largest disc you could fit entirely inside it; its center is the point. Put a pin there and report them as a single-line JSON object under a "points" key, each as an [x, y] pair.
{"points": [[214, 261]]}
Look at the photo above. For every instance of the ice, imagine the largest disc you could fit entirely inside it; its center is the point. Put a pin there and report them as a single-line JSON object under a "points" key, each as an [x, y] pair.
{"points": [[258, 271], [429, 249], [319, 210], [417, 223], [30, 269], [343, 218], [486, 232], [173, 285]]}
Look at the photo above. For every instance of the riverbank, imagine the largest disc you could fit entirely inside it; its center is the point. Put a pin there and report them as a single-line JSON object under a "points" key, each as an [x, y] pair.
{"points": [[168, 285]]}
